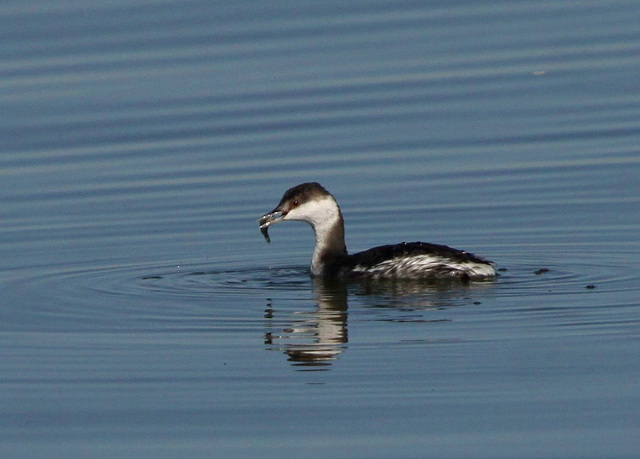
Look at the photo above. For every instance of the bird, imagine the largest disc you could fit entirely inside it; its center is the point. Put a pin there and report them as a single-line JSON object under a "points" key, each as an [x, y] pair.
{"points": [[312, 203]]}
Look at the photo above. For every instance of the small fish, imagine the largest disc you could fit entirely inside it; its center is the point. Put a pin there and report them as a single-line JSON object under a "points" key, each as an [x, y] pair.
{"points": [[267, 220], [265, 232]]}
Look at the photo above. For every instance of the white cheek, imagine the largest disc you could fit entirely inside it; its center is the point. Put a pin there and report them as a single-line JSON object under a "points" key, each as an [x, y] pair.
{"points": [[315, 212], [296, 215]]}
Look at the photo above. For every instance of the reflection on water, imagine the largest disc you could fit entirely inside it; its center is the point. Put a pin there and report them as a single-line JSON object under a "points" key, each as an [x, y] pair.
{"points": [[312, 338], [315, 337], [418, 294]]}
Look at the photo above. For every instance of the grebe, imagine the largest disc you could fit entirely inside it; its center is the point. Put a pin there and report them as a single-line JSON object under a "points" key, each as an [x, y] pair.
{"points": [[311, 203]]}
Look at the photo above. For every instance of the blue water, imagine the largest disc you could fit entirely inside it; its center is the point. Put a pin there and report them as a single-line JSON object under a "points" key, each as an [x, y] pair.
{"points": [[143, 315]]}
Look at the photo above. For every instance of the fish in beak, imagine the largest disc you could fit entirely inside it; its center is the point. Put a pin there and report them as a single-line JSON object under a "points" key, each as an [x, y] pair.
{"points": [[270, 219]]}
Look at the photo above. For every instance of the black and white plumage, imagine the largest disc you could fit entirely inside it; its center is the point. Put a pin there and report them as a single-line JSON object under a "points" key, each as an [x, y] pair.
{"points": [[311, 203]]}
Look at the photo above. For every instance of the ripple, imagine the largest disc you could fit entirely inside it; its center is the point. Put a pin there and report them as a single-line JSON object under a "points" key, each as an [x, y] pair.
{"points": [[569, 271], [202, 281], [193, 296], [147, 296], [184, 281]]}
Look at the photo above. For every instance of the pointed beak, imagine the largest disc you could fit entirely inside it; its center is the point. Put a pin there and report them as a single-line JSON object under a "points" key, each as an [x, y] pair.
{"points": [[270, 219]]}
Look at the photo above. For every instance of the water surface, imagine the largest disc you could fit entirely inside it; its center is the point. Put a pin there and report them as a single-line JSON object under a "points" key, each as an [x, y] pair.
{"points": [[142, 313]]}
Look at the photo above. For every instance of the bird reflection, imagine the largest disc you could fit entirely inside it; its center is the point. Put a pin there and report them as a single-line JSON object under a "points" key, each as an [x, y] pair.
{"points": [[313, 339]]}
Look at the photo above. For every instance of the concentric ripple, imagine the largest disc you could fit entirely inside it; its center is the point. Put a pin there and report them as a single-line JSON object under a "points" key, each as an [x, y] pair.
{"points": [[563, 271], [146, 296], [199, 296]]}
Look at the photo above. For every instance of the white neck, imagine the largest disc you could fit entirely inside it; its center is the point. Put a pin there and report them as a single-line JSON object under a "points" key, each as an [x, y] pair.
{"points": [[325, 218], [329, 234]]}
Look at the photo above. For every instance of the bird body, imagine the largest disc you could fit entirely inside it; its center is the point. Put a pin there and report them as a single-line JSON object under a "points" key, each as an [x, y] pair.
{"points": [[311, 203]]}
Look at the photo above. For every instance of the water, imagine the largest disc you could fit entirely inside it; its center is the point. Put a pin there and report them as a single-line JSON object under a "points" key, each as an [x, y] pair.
{"points": [[142, 313]]}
